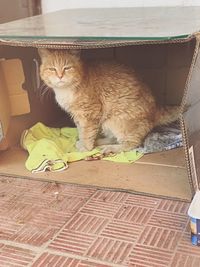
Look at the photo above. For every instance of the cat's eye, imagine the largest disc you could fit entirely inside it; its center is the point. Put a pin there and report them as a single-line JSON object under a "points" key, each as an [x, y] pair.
{"points": [[52, 69], [67, 68]]}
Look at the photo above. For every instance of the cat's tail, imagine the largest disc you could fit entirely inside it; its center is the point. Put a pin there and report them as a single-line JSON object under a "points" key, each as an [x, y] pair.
{"points": [[167, 114]]}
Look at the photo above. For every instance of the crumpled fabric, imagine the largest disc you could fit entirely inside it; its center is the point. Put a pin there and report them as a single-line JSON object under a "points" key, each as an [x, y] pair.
{"points": [[162, 138], [53, 148]]}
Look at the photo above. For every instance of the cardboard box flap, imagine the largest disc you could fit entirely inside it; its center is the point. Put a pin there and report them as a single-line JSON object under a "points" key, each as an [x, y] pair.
{"points": [[4, 106], [193, 90], [191, 118], [103, 26]]}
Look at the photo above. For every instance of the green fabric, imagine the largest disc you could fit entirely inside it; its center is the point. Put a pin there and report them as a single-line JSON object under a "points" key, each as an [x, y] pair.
{"points": [[125, 157], [52, 148]]}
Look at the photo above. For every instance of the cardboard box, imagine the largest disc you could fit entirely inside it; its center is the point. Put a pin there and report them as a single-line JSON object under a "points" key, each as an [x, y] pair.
{"points": [[160, 44]]}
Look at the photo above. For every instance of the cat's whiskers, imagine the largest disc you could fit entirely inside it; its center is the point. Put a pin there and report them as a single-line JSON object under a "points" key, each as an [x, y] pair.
{"points": [[44, 92]]}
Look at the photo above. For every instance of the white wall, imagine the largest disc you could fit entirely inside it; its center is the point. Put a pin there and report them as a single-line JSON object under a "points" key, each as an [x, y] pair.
{"points": [[53, 5]]}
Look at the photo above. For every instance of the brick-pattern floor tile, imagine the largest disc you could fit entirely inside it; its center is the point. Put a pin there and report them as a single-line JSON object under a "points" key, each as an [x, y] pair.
{"points": [[184, 260], [149, 257], [8, 227], [71, 241], [56, 225], [77, 191], [19, 211], [33, 235], [48, 217], [159, 238], [169, 220], [53, 260], [66, 203], [110, 250], [11, 256], [134, 214], [87, 223], [173, 206], [107, 196], [122, 230], [142, 201], [38, 198], [101, 208], [9, 194]]}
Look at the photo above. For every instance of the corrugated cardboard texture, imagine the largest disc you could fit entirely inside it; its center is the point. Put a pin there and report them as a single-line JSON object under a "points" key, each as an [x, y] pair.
{"points": [[14, 77]]}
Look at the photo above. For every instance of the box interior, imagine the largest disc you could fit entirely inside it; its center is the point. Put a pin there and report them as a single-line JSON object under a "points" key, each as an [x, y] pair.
{"points": [[164, 67]]}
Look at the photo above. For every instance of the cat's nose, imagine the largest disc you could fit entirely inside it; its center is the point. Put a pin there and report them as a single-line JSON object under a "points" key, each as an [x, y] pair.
{"points": [[60, 75]]}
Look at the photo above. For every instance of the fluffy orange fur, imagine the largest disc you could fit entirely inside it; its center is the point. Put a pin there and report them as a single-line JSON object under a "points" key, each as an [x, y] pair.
{"points": [[104, 97]]}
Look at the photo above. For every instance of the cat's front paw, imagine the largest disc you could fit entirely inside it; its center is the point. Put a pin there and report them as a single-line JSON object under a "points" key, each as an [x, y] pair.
{"points": [[80, 147], [83, 148]]}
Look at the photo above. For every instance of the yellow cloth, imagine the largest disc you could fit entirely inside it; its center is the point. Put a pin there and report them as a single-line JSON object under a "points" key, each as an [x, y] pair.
{"points": [[52, 149]]}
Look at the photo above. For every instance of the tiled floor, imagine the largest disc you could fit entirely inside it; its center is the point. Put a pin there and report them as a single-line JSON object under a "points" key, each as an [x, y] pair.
{"points": [[47, 224]]}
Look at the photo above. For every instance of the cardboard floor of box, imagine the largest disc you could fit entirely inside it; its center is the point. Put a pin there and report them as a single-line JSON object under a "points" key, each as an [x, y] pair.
{"points": [[162, 174]]}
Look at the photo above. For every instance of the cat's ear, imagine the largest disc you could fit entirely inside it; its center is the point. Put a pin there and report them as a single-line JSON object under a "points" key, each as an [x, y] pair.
{"points": [[75, 52], [43, 52]]}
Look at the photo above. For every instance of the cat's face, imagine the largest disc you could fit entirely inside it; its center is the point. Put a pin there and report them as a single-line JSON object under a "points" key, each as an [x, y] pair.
{"points": [[60, 68]]}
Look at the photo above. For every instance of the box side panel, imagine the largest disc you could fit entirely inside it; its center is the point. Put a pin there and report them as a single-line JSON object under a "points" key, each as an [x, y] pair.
{"points": [[14, 78], [191, 118], [4, 106], [192, 126], [163, 67]]}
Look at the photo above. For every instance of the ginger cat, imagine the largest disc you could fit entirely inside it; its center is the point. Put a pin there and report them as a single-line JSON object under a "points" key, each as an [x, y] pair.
{"points": [[103, 97]]}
